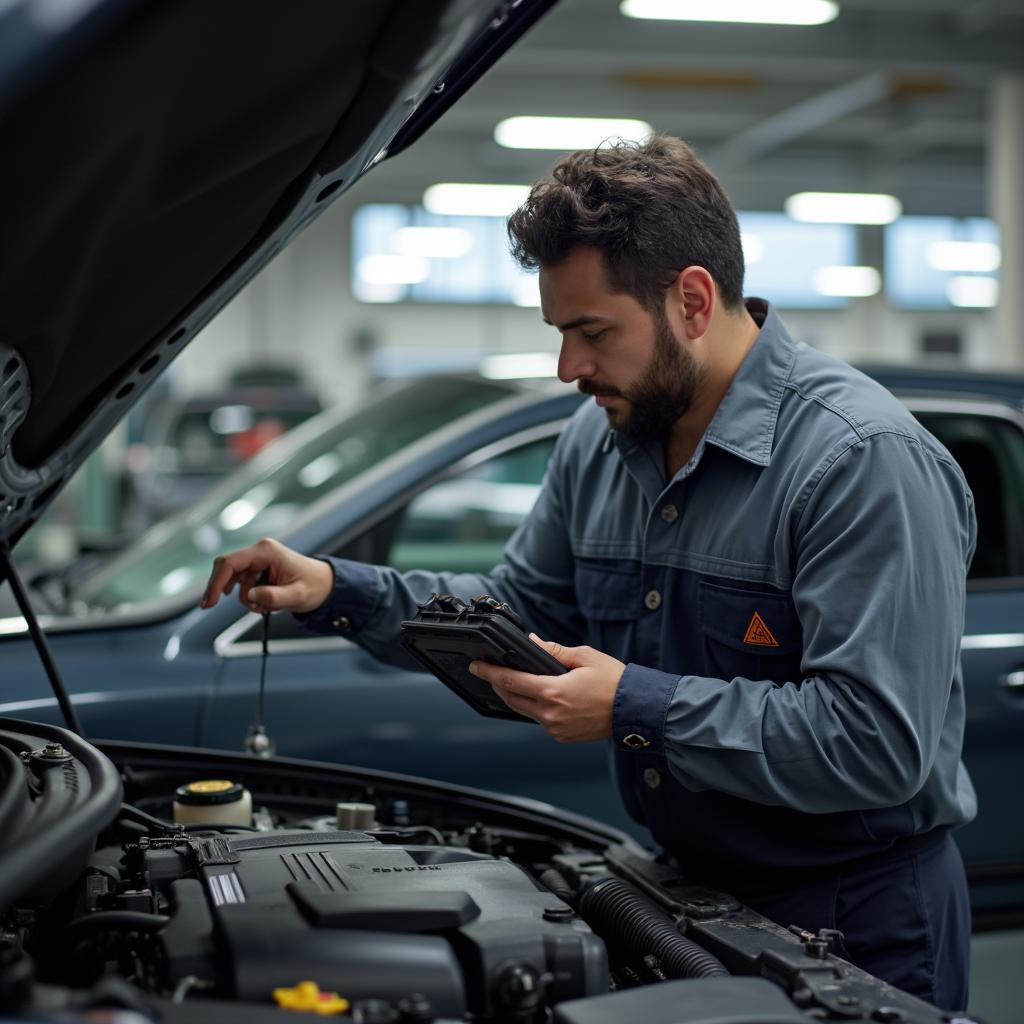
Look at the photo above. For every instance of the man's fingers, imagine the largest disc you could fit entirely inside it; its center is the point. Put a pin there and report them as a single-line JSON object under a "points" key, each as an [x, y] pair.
{"points": [[246, 581], [517, 701], [523, 705], [268, 598], [570, 657], [231, 569], [523, 685], [222, 578]]}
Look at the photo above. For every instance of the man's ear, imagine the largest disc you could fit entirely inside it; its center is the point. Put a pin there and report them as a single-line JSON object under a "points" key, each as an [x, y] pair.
{"points": [[693, 297]]}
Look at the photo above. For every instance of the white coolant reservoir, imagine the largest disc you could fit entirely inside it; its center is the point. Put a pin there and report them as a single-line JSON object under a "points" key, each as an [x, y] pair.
{"points": [[212, 801], [354, 817]]}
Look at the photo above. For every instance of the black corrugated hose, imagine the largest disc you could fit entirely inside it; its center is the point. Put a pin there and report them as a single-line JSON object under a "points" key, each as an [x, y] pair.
{"points": [[626, 918]]}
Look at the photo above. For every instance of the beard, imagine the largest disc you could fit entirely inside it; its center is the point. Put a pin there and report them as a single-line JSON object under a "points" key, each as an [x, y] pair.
{"points": [[664, 392]]}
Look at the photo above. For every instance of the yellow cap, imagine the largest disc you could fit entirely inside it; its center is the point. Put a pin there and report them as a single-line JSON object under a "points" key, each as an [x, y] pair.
{"points": [[307, 998], [209, 786]]}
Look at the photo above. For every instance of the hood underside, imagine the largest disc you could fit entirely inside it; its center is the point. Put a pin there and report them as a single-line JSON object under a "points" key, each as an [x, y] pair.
{"points": [[156, 156]]}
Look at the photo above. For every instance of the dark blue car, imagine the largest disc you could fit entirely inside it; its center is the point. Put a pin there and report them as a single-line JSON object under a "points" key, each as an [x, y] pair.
{"points": [[436, 475]]}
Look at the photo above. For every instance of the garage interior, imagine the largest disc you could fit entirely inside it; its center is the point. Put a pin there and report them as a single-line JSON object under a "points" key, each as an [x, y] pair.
{"points": [[918, 102]]}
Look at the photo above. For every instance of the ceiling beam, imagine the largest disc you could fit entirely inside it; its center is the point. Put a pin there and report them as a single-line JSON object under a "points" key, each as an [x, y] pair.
{"points": [[848, 46], [801, 119]]}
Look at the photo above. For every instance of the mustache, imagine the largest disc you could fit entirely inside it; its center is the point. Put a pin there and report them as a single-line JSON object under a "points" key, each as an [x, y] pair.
{"points": [[589, 388]]}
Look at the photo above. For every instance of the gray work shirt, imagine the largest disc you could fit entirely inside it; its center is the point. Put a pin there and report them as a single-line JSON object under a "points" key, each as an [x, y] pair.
{"points": [[789, 606]]}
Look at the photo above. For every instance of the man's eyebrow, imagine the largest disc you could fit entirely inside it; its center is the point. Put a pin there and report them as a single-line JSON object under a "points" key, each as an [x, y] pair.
{"points": [[580, 321]]}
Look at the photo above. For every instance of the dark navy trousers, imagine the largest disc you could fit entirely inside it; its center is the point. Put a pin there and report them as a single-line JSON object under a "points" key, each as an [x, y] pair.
{"points": [[905, 916]]}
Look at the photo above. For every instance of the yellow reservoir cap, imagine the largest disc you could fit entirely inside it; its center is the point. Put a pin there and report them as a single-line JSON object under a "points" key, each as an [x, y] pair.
{"points": [[210, 786], [306, 997], [212, 801]]}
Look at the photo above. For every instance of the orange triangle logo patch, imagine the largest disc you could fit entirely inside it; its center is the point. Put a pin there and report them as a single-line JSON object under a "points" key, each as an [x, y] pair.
{"points": [[758, 633]]}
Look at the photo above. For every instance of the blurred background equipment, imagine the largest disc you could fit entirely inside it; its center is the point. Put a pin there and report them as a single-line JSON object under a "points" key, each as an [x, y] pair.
{"points": [[191, 443]]}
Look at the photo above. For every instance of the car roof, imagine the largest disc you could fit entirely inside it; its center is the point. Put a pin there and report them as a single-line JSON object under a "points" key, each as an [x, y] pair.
{"points": [[948, 381]]}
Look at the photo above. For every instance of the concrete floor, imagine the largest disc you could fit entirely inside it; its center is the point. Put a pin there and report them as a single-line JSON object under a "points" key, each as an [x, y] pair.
{"points": [[997, 977]]}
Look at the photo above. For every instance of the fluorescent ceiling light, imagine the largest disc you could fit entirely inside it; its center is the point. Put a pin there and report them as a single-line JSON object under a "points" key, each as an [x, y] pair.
{"points": [[474, 200], [847, 282], [843, 207], [567, 132], [433, 243], [972, 291], [384, 268], [980, 257], [753, 247], [519, 364], [764, 12]]}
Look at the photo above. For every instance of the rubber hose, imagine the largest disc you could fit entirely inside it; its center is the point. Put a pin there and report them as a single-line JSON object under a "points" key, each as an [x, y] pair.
{"points": [[626, 918], [554, 880]]}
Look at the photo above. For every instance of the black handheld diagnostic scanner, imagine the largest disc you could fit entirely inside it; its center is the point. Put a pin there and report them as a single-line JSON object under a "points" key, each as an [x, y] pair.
{"points": [[447, 634]]}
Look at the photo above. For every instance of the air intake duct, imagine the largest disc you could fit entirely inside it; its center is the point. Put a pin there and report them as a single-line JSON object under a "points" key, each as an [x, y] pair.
{"points": [[635, 926]]}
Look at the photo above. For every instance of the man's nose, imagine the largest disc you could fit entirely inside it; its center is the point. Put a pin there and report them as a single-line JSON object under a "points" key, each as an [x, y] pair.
{"points": [[574, 361]]}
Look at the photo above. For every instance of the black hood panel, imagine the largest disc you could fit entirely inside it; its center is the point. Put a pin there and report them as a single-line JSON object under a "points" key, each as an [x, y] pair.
{"points": [[166, 154]]}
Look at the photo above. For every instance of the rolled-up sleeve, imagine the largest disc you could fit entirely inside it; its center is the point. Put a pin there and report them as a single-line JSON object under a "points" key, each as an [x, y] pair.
{"points": [[882, 539]]}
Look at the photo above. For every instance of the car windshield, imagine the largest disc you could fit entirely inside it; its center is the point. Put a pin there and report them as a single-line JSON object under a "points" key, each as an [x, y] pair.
{"points": [[269, 494]]}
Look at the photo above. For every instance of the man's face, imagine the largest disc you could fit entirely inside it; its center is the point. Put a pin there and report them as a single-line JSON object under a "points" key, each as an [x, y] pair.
{"points": [[627, 358]]}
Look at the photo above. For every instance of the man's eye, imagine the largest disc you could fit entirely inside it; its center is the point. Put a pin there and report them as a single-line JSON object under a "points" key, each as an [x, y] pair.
{"points": [[593, 336]]}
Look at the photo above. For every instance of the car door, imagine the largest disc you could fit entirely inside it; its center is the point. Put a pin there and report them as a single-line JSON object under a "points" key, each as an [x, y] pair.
{"points": [[327, 699], [987, 439]]}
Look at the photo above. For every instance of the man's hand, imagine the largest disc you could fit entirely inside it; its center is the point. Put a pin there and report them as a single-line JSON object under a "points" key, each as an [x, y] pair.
{"points": [[294, 582], [572, 708]]}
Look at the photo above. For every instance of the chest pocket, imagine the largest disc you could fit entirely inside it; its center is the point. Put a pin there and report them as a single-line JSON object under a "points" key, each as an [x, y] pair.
{"points": [[749, 633], [608, 594]]}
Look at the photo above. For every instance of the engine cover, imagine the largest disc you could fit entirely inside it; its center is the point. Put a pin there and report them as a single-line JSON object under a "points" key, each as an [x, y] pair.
{"points": [[472, 933]]}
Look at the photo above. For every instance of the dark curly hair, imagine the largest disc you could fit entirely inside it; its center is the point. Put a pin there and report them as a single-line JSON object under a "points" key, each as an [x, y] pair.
{"points": [[652, 208]]}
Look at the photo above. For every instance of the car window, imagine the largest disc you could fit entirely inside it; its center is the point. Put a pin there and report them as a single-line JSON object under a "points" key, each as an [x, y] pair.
{"points": [[268, 494], [990, 451], [462, 523], [459, 524], [214, 441]]}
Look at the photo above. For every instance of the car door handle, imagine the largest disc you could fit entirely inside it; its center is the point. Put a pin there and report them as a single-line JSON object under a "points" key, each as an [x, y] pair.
{"points": [[1013, 681]]}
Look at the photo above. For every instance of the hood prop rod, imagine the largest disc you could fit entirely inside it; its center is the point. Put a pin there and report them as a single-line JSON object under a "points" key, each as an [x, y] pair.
{"points": [[39, 639]]}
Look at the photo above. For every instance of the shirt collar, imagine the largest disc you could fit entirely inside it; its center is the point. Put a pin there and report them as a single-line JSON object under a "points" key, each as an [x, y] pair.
{"points": [[744, 423]]}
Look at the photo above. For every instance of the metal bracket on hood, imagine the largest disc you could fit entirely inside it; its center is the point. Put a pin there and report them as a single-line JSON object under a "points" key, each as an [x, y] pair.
{"points": [[15, 395], [21, 489], [23, 492]]}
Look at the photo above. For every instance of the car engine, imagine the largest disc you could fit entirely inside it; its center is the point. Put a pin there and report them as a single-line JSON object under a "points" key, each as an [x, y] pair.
{"points": [[158, 884]]}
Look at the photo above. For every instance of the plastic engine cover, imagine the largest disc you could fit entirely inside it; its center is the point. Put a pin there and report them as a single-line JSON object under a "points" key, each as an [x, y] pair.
{"points": [[368, 919]]}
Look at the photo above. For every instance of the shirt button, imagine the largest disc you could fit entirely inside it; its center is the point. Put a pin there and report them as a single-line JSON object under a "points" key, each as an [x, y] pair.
{"points": [[669, 513], [653, 600], [343, 623], [652, 777], [634, 741]]}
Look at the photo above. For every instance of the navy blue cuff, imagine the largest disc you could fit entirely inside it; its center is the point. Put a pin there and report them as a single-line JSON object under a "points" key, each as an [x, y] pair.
{"points": [[352, 601], [641, 704]]}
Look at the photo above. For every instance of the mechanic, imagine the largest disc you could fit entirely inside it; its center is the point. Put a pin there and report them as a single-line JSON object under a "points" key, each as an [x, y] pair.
{"points": [[753, 560]]}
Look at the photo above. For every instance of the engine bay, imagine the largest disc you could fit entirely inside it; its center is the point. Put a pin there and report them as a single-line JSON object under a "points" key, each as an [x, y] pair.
{"points": [[152, 883]]}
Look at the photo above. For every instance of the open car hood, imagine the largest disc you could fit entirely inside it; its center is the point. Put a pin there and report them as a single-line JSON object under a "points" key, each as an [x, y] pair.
{"points": [[156, 156]]}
